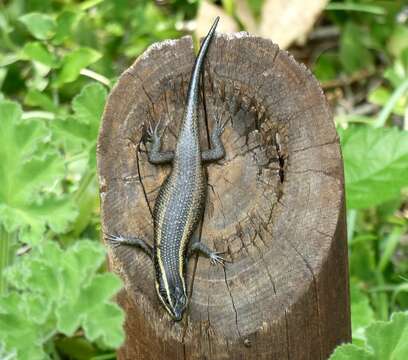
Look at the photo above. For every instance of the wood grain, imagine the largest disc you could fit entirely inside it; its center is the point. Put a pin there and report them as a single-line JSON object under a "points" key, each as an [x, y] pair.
{"points": [[275, 206]]}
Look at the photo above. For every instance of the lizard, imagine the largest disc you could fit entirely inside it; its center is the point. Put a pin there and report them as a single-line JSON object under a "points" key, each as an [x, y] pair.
{"points": [[180, 203]]}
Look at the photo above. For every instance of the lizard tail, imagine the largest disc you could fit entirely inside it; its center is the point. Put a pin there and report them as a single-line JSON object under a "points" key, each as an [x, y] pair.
{"points": [[192, 94]]}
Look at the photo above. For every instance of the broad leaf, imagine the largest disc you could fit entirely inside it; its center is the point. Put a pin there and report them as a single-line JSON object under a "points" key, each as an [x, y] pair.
{"points": [[41, 26], [74, 62], [351, 352], [36, 51], [59, 291], [389, 340], [79, 131], [376, 164], [354, 55], [18, 332], [398, 40], [38, 98], [27, 173], [384, 340], [65, 21], [88, 105]]}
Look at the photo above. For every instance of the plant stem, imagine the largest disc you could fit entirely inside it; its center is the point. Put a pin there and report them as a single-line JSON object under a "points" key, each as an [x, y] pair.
{"points": [[104, 357], [390, 246], [371, 9], [85, 182], [4, 257], [98, 77], [387, 109], [86, 199], [351, 224], [381, 298]]}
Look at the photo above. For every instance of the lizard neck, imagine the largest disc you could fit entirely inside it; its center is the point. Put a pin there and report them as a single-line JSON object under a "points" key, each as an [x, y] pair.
{"points": [[189, 138]]}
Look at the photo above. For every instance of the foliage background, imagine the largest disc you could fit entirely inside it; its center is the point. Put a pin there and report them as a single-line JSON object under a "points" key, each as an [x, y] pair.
{"points": [[59, 59]]}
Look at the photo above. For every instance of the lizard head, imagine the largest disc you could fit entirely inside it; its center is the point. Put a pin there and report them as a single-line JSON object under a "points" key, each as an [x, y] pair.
{"points": [[173, 296]]}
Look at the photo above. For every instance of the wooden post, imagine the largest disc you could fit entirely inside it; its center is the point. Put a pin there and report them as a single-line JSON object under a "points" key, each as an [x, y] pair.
{"points": [[280, 221]]}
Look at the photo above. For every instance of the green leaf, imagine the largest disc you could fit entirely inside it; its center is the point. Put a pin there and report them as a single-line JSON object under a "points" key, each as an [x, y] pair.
{"points": [[376, 164], [17, 332], [88, 105], [36, 51], [97, 315], [389, 245], [54, 291], [354, 55], [76, 348], [396, 74], [389, 340], [74, 62], [362, 314], [379, 95], [55, 213], [351, 352], [80, 131], [362, 259], [65, 22], [3, 74], [384, 340], [27, 173], [38, 98], [398, 40], [326, 67], [7, 355], [41, 26], [8, 59]]}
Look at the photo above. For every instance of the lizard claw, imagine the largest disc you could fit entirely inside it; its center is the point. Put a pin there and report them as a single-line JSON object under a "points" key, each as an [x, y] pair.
{"points": [[148, 131], [153, 133], [215, 259], [114, 240], [219, 127]]}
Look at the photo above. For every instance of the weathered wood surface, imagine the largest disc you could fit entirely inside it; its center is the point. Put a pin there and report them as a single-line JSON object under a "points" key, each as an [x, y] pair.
{"points": [[281, 223]]}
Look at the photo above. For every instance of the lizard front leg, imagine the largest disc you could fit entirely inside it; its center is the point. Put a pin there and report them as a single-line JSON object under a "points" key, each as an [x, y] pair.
{"points": [[155, 155], [116, 241], [217, 151]]}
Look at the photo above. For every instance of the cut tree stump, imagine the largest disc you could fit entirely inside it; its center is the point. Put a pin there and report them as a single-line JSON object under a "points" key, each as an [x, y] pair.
{"points": [[275, 205]]}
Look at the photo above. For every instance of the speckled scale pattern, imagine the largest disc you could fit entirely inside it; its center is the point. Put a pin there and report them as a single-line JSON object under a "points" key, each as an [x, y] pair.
{"points": [[180, 203]]}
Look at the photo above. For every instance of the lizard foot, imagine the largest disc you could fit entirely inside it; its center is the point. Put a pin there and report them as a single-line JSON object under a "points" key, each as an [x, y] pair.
{"points": [[215, 259], [114, 240], [153, 133], [219, 127]]}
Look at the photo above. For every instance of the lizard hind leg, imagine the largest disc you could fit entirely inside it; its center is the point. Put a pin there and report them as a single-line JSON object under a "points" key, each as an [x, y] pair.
{"points": [[214, 256]]}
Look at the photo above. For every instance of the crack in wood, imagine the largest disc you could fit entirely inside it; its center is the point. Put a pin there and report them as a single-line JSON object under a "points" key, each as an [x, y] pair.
{"points": [[232, 303], [314, 146], [140, 178], [287, 334]]}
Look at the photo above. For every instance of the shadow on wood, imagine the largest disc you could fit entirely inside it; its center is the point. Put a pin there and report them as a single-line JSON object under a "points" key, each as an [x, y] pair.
{"points": [[275, 206]]}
